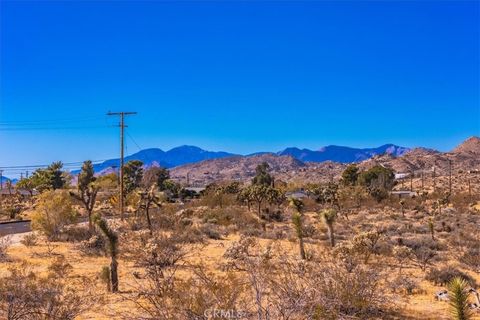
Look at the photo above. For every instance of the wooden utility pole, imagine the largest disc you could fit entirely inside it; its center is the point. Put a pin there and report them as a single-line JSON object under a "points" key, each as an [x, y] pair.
{"points": [[422, 179], [1, 179], [411, 180], [122, 129], [450, 176], [469, 190]]}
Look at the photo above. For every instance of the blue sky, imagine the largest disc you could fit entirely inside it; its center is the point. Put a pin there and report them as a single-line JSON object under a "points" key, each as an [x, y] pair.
{"points": [[235, 76]]}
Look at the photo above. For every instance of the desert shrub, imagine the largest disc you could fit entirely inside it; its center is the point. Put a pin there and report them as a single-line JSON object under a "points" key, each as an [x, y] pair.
{"points": [[211, 231], [30, 239], [189, 234], [27, 296], [349, 294], [5, 242], [60, 267], [471, 257], [446, 274], [76, 233], [405, 285], [95, 245], [368, 243], [53, 212]]}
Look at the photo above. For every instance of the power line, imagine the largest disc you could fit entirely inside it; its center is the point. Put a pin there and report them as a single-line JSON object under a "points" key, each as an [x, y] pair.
{"points": [[50, 128], [46, 165], [29, 122]]}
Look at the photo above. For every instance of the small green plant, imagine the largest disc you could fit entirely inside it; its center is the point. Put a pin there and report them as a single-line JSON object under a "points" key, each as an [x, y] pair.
{"points": [[30, 240], [458, 293], [105, 277]]}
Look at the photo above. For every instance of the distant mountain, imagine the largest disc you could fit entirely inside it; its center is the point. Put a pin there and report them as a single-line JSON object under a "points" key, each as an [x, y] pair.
{"points": [[190, 154], [342, 154], [471, 145], [168, 159]]}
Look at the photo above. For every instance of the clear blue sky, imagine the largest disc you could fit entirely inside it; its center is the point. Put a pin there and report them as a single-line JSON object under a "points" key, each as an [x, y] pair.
{"points": [[235, 76]]}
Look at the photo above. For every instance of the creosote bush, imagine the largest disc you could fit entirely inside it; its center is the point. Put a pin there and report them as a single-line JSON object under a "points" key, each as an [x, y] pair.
{"points": [[53, 212]]}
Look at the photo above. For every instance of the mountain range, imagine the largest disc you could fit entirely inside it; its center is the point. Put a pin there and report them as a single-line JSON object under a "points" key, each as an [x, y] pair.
{"points": [[190, 154]]}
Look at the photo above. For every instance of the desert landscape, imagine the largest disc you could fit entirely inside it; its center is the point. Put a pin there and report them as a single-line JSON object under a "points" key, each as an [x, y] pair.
{"points": [[247, 160], [278, 243]]}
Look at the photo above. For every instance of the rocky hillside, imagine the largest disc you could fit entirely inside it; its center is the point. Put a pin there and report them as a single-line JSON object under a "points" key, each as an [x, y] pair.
{"points": [[464, 158]]}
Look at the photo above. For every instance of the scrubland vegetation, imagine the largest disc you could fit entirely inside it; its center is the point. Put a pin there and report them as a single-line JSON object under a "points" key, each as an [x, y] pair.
{"points": [[345, 249]]}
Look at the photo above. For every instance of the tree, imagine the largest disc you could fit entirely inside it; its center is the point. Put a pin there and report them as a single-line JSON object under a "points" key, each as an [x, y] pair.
{"points": [[298, 225], [402, 206], [459, 299], [56, 175], [147, 199], [378, 180], [107, 182], [54, 210], [132, 175], [262, 177], [260, 194], [297, 220], [155, 175], [350, 175], [112, 238], [50, 178], [87, 190], [329, 216], [26, 184]]}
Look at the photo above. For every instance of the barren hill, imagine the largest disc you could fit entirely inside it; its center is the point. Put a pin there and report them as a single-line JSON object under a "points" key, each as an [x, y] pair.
{"points": [[464, 158]]}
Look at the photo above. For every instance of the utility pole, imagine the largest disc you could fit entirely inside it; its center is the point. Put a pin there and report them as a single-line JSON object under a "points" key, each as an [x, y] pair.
{"points": [[411, 180], [1, 179], [26, 174], [434, 178], [469, 190], [450, 176], [422, 180], [122, 129]]}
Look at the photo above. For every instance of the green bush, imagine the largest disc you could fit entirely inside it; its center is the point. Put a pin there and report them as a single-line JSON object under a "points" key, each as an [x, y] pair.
{"points": [[54, 210]]}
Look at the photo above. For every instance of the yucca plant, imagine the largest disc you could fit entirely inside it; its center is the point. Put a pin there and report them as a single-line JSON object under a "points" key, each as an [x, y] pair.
{"points": [[458, 293], [105, 277], [402, 205], [431, 227], [112, 238], [296, 204], [329, 216], [298, 225]]}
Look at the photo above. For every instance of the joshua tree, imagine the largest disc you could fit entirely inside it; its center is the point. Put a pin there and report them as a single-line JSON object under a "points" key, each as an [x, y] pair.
{"points": [[298, 225], [113, 249], [431, 227], [297, 216], [296, 204], [402, 205], [459, 299], [329, 216], [149, 198], [87, 190]]}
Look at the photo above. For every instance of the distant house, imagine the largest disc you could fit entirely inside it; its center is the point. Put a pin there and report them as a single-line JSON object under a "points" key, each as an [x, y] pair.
{"points": [[297, 194], [401, 175], [22, 192], [195, 189], [404, 194]]}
